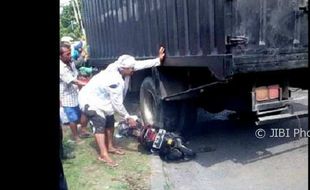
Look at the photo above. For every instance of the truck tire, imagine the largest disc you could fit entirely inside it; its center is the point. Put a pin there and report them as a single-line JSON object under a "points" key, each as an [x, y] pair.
{"points": [[173, 116]]}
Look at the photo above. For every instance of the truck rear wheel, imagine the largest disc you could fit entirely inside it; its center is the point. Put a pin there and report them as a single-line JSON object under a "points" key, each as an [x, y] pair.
{"points": [[170, 115]]}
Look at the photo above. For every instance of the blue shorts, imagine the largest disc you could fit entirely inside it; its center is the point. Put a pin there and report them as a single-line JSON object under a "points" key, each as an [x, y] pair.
{"points": [[73, 114]]}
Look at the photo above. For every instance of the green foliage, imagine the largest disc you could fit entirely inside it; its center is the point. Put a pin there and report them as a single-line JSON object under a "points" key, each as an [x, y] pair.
{"points": [[68, 25]]}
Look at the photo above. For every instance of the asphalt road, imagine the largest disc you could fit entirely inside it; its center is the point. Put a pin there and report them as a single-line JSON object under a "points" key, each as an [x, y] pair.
{"points": [[231, 157]]}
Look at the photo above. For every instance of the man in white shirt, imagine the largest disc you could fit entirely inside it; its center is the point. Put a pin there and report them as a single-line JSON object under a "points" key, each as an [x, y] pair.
{"points": [[103, 96]]}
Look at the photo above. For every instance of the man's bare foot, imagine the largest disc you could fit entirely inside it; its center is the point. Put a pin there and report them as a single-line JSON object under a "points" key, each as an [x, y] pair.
{"points": [[116, 151], [115, 146], [108, 161], [78, 140]]}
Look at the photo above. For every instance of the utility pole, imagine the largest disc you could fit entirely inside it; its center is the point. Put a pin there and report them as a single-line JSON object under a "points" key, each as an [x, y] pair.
{"points": [[75, 13], [71, 24], [80, 17]]}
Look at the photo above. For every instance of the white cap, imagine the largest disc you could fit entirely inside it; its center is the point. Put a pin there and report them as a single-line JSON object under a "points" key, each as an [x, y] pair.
{"points": [[126, 61]]}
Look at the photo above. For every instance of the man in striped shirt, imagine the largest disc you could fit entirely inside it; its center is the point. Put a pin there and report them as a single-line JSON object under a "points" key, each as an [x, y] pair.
{"points": [[69, 92]]}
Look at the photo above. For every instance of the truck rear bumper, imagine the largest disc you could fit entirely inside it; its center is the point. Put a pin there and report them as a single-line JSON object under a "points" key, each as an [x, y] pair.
{"points": [[296, 107], [272, 118]]}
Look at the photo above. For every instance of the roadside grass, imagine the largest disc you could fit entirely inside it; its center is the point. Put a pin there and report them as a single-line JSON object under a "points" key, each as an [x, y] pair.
{"points": [[85, 172]]}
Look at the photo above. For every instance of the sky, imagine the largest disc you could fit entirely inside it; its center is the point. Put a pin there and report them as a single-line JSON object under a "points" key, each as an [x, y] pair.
{"points": [[64, 2]]}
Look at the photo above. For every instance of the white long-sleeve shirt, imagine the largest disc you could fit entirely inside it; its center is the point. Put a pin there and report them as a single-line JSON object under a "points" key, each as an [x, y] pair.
{"points": [[139, 65], [105, 92]]}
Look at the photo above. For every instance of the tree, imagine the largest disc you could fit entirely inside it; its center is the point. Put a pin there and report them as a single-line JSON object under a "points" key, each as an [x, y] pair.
{"points": [[69, 23]]}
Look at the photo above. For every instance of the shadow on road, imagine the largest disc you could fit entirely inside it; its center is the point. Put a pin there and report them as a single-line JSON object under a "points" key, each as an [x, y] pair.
{"points": [[218, 140]]}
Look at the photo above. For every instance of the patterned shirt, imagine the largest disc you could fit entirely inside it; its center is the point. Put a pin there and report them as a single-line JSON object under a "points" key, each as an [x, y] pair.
{"points": [[68, 90]]}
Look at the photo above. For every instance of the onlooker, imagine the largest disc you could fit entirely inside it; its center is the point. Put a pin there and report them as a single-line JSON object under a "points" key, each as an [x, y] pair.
{"points": [[69, 92], [78, 55], [103, 96]]}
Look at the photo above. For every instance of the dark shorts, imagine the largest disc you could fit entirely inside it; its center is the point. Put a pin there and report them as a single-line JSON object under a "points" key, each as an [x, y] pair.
{"points": [[98, 122]]}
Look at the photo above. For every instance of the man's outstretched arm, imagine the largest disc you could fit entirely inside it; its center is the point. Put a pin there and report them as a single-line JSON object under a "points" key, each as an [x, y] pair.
{"points": [[144, 64]]}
